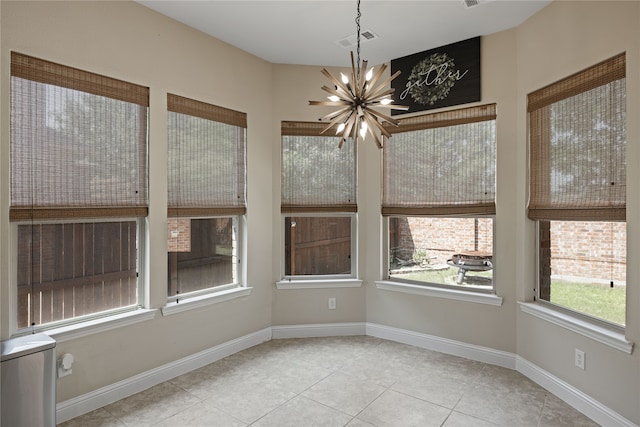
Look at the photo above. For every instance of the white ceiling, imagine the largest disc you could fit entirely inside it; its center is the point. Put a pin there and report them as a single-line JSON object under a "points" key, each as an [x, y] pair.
{"points": [[306, 31]]}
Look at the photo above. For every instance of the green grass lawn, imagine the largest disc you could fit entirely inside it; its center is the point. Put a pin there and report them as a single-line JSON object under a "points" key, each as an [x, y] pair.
{"points": [[596, 300]]}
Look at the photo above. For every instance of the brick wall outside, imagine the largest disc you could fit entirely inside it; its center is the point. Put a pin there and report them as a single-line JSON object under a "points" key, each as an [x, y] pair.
{"points": [[440, 237], [179, 234], [589, 249], [581, 249]]}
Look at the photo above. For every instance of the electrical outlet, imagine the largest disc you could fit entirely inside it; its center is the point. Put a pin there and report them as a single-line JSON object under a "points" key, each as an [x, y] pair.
{"points": [[580, 356], [332, 303]]}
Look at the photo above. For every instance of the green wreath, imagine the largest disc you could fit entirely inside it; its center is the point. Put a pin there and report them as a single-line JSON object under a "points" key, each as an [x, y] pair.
{"points": [[425, 92]]}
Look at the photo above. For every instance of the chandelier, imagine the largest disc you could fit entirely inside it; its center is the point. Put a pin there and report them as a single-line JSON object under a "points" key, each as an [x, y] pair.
{"points": [[355, 96]]}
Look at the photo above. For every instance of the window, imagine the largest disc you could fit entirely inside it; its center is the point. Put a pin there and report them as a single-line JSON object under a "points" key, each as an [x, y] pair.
{"points": [[78, 191], [318, 203], [578, 190], [207, 196], [438, 198]]}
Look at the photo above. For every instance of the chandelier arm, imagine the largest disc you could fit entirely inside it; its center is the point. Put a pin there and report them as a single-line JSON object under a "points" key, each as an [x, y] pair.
{"points": [[347, 130], [343, 117], [384, 117], [377, 124], [330, 103], [356, 128], [376, 76], [371, 123], [363, 73], [353, 67], [397, 107], [384, 84], [336, 113], [380, 95], [339, 94], [335, 81]]}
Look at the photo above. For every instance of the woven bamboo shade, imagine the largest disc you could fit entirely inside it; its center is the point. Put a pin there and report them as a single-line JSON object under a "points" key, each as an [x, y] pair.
{"points": [[441, 164], [206, 160], [577, 136], [316, 177], [78, 143]]}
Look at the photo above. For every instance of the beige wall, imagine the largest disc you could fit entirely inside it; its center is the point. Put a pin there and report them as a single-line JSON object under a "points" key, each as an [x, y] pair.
{"points": [[561, 39], [130, 42]]}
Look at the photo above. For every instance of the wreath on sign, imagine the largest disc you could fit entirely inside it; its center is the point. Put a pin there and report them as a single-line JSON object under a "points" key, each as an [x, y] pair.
{"points": [[431, 79]]}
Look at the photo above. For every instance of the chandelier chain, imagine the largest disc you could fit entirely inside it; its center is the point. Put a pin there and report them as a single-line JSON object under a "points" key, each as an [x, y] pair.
{"points": [[358, 37]]}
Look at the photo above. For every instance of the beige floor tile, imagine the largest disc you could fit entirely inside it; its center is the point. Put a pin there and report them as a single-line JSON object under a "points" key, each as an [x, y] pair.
{"points": [[557, 413], [353, 381], [98, 418], [359, 423], [248, 400], [438, 386], [344, 392], [152, 406], [393, 409], [202, 414], [303, 412], [503, 404], [457, 419]]}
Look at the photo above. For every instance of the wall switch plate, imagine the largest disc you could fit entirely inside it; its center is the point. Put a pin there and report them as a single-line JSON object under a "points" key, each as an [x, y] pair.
{"points": [[332, 303], [580, 356]]}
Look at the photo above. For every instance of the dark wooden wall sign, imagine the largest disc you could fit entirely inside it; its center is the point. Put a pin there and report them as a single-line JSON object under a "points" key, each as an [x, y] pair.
{"points": [[436, 78]]}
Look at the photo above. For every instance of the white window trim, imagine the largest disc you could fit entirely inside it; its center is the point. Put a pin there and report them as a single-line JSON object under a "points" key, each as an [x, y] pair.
{"points": [[102, 324], [205, 300], [440, 292], [321, 281], [598, 333], [318, 283]]}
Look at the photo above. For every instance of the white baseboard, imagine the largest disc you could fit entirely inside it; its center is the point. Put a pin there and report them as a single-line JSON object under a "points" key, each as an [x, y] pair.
{"points": [[572, 396], [106, 395], [443, 345], [319, 330]]}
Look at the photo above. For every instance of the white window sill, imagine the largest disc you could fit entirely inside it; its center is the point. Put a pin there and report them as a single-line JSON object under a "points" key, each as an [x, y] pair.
{"points": [[78, 330], [597, 333], [432, 291], [205, 300], [319, 284]]}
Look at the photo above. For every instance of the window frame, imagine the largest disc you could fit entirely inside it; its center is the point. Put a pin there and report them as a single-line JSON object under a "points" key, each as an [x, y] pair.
{"points": [[119, 209], [320, 281], [89, 323], [540, 209], [199, 209], [238, 225], [444, 286]]}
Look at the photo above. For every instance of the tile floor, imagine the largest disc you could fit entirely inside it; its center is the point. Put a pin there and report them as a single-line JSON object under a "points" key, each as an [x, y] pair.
{"points": [[340, 381]]}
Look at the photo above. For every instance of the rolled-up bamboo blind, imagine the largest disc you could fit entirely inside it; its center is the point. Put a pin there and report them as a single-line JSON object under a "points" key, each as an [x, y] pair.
{"points": [[577, 132], [441, 164], [316, 175], [206, 160], [78, 143]]}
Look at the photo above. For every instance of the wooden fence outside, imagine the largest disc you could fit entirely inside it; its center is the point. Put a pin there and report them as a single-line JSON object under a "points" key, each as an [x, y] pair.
{"points": [[70, 270]]}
